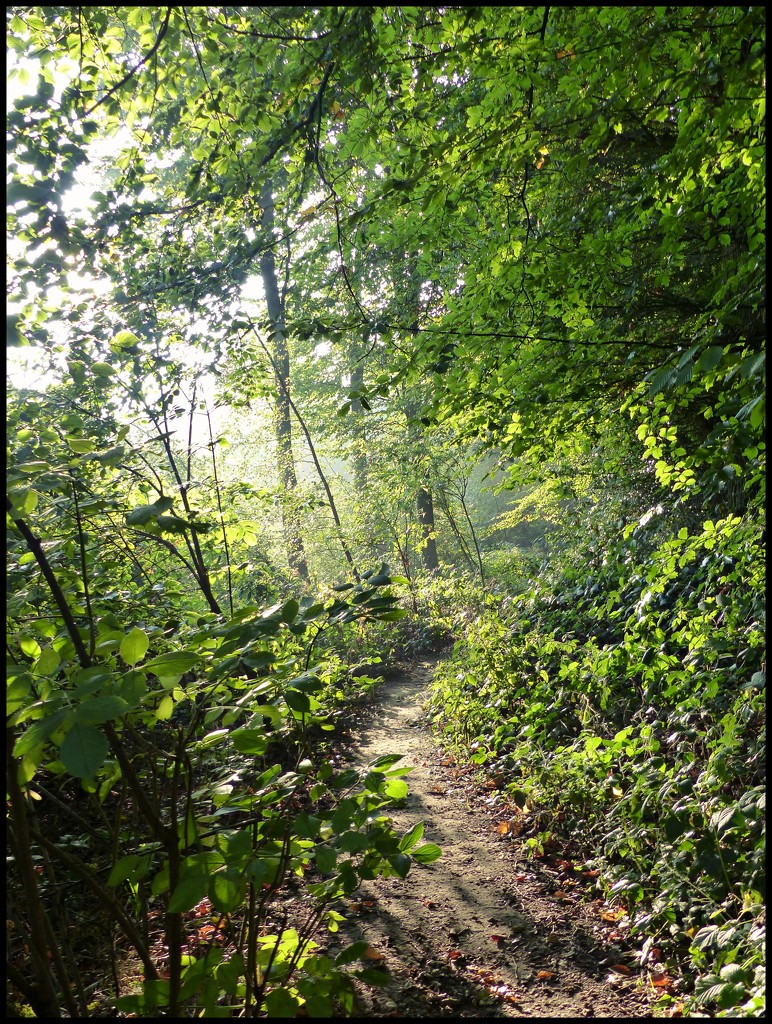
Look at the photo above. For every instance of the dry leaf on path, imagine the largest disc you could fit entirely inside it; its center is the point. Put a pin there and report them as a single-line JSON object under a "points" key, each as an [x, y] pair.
{"points": [[611, 915], [661, 980]]}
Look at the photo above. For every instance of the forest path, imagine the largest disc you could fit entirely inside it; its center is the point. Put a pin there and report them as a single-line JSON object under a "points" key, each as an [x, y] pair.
{"points": [[474, 934]]}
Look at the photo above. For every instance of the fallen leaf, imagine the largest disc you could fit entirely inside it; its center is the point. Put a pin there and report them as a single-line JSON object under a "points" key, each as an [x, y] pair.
{"points": [[454, 954], [498, 938], [612, 915], [566, 865], [661, 980], [560, 895], [544, 975], [620, 969], [503, 827], [372, 954], [590, 874]]}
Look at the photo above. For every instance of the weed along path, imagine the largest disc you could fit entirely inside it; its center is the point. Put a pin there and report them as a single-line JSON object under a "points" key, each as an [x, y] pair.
{"points": [[478, 932]]}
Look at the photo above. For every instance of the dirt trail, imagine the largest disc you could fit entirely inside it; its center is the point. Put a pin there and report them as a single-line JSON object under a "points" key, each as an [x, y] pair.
{"points": [[475, 934]]}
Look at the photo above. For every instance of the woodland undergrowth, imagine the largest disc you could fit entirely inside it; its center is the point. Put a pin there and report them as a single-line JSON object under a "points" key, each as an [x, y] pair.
{"points": [[619, 703]]}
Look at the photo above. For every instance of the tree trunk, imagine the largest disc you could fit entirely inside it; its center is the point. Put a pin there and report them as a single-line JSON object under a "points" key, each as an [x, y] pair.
{"points": [[425, 515], [357, 412], [285, 458]]}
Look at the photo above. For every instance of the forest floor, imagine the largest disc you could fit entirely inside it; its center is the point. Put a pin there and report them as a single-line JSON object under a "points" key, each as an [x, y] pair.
{"points": [[487, 930]]}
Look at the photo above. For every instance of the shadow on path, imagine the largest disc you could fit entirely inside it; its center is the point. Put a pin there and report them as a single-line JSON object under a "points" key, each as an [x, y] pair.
{"points": [[473, 934]]}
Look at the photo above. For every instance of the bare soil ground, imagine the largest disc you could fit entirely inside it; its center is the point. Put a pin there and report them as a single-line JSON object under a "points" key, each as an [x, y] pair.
{"points": [[483, 931]]}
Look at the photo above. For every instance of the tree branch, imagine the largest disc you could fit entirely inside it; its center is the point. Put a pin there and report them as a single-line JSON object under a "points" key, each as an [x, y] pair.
{"points": [[135, 69]]}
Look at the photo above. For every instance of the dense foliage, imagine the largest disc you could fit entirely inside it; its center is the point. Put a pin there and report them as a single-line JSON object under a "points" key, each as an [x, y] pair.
{"points": [[299, 279]]}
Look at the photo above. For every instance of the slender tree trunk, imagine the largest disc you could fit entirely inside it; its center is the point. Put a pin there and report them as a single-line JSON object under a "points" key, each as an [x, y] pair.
{"points": [[424, 500], [359, 461], [425, 514], [285, 458]]}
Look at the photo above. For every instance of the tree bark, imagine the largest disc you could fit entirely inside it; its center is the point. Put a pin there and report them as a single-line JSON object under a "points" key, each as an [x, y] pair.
{"points": [[285, 458], [425, 515], [359, 462]]}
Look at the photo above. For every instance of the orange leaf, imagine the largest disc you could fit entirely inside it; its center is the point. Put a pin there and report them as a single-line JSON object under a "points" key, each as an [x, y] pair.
{"points": [[454, 954], [372, 954], [543, 975], [661, 981], [503, 827], [612, 915], [498, 938], [620, 969]]}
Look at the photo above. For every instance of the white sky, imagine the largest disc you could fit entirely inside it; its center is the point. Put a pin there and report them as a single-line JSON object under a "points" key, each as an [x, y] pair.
{"points": [[22, 76]]}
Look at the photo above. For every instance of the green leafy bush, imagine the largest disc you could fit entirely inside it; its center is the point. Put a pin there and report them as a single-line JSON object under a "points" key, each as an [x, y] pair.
{"points": [[626, 706]]}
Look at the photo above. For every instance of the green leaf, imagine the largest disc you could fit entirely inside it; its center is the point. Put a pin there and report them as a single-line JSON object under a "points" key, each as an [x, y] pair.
{"points": [[37, 733], [98, 709], [427, 853], [326, 859], [372, 976], [354, 951], [385, 761], [129, 869], [165, 709], [18, 692], [250, 741], [401, 863], [297, 701], [226, 890], [395, 789], [124, 340], [83, 751], [289, 611], [191, 888], [80, 445], [711, 357], [171, 664], [30, 646], [77, 370], [281, 1003], [411, 837], [13, 336], [143, 514], [134, 646]]}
